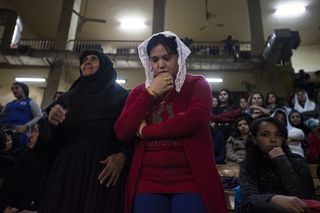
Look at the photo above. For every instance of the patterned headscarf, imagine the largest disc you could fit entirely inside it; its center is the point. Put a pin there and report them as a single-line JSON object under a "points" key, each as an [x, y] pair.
{"points": [[183, 53]]}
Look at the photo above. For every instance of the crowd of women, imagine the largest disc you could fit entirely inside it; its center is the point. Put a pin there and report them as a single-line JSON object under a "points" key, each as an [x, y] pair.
{"points": [[99, 149]]}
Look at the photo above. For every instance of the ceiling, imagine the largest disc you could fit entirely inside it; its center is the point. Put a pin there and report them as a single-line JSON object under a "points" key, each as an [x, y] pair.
{"points": [[184, 17]]}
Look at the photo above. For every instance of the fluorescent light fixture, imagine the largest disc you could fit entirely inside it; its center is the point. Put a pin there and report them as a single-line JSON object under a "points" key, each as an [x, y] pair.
{"points": [[31, 79], [214, 80], [290, 10], [121, 81], [132, 23]]}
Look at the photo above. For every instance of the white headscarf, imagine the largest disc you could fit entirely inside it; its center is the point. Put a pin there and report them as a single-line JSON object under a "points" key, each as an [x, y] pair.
{"points": [[308, 106], [183, 52]]}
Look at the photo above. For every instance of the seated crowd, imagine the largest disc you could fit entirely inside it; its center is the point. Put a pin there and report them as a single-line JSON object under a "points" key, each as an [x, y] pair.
{"points": [[272, 143]]}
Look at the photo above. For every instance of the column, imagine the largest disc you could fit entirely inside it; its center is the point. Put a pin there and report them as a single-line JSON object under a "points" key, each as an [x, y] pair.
{"points": [[256, 27], [158, 16]]}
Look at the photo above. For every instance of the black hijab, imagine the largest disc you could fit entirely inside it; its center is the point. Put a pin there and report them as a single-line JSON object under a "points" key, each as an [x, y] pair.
{"points": [[97, 96]]}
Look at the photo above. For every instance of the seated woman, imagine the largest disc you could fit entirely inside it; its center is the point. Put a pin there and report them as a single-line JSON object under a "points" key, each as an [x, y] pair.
{"points": [[296, 120], [224, 114], [308, 108], [296, 137], [256, 105], [21, 189], [272, 179], [272, 102], [173, 169], [237, 142], [243, 103]]}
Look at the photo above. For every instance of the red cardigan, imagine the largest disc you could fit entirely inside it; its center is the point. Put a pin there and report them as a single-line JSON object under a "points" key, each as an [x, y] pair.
{"points": [[190, 125], [314, 146]]}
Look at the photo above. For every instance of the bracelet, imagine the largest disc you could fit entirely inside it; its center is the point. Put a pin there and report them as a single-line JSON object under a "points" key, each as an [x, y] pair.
{"points": [[152, 92]]}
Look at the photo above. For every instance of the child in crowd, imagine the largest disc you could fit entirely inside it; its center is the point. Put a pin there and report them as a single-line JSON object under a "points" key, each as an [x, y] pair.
{"points": [[243, 103], [272, 179], [236, 143]]}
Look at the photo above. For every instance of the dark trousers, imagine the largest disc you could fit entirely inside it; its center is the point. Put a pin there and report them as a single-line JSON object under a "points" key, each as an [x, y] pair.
{"points": [[168, 203]]}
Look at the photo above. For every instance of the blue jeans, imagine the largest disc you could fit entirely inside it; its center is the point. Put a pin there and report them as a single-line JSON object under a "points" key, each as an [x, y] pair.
{"points": [[168, 203]]}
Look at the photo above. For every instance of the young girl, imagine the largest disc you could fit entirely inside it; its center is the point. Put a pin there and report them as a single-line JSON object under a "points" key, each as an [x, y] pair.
{"points": [[237, 142], [272, 179]]}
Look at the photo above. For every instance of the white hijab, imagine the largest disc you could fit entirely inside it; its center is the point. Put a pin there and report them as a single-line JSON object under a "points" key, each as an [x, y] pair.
{"points": [[308, 106], [183, 53]]}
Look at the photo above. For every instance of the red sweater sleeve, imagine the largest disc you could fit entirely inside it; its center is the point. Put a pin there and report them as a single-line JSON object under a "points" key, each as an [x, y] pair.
{"points": [[136, 107], [314, 147], [228, 116], [185, 123]]}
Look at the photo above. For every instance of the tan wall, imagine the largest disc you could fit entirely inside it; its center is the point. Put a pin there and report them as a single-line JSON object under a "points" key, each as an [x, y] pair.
{"points": [[7, 77], [231, 79], [307, 58]]}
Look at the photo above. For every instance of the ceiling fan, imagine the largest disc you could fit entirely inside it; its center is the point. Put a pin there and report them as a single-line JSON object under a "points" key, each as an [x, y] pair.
{"points": [[83, 19], [209, 16]]}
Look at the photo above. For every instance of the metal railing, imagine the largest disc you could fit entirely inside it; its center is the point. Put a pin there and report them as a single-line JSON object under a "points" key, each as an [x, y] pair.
{"points": [[130, 47], [38, 44]]}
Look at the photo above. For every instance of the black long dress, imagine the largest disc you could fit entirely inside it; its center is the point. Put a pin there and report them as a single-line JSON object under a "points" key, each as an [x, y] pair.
{"points": [[84, 139]]}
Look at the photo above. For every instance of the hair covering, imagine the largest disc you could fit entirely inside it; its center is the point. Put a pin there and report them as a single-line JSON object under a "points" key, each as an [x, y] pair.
{"points": [[24, 87], [308, 106], [183, 53], [288, 123], [294, 133], [96, 96]]}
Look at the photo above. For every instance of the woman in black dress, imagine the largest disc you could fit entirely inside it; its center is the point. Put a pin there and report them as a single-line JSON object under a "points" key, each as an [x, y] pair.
{"points": [[89, 171]]}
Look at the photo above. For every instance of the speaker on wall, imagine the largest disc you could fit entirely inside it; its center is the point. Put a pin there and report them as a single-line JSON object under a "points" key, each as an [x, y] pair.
{"points": [[280, 44]]}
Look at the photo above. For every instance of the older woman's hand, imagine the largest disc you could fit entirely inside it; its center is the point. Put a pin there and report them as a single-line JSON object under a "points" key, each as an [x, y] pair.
{"points": [[162, 83], [57, 115], [113, 166]]}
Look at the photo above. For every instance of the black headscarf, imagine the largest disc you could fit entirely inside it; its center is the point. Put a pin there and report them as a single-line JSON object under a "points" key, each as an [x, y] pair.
{"points": [[97, 96]]}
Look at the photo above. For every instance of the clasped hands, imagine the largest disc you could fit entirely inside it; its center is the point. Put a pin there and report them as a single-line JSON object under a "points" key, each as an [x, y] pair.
{"points": [[162, 83]]}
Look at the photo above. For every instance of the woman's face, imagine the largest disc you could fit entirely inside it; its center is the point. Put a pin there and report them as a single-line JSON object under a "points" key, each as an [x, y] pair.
{"points": [[162, 61], [34, 136], [295, 118], [301, 96], [243, 103], [268, 137], [281, 117], [90, 65], [271, 99], [17, 91], [243, 127], [223, 96], [256, 99]]}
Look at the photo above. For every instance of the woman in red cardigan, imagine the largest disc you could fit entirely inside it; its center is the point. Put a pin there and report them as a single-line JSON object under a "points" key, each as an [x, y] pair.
{"points": [[173, 168]]}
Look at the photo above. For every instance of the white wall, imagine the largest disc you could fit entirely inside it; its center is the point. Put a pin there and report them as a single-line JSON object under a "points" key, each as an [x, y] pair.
{"points": [[306, 57]]}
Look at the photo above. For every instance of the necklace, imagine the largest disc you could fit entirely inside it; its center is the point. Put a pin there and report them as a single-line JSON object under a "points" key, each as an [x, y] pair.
{"points": [[163, 102]]}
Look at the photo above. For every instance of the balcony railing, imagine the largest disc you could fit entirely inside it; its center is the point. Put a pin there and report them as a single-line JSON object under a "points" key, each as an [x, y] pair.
{"points": [[130, 47]]}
